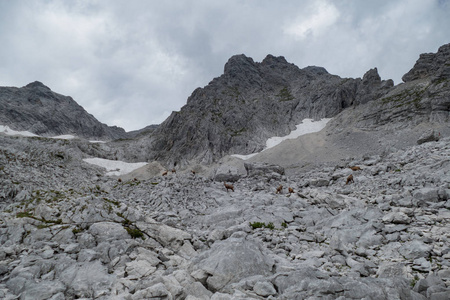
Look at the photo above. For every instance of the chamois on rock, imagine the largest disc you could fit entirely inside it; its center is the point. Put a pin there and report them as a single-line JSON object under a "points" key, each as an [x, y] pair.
{"points": [[350, 179], [279, 189], [291, 190], [355, 168], [228, 186]]}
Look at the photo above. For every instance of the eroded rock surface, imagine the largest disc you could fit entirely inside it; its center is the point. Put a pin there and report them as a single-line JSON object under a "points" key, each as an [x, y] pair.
{"points": [[70, 232]]}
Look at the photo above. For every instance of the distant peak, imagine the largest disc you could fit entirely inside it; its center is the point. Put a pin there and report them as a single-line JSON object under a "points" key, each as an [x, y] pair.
{"points": [[270, 59], [372, 76], [316, 70], [37, 84], [237, 62]]}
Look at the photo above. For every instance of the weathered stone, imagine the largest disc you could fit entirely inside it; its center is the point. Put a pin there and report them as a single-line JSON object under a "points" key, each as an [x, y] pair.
{"points": [[230, 170], [414, 249], [43, 290], [396, 218], [261, 169], [107, 231], [231, 260], [429, 136], [264, 289]]}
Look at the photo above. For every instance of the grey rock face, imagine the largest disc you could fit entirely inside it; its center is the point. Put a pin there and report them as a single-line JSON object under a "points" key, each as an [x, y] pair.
{"points": [[236, 112], [431, 64], [38, 109]]}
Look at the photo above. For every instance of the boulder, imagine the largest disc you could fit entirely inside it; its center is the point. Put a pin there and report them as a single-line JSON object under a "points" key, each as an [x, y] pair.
{"points": [[429, 136], [230, 169], [262, 169], [232, 260]]}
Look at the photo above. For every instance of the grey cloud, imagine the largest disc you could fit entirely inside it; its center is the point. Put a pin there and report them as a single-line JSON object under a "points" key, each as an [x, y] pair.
{"points": [[130, 63]]}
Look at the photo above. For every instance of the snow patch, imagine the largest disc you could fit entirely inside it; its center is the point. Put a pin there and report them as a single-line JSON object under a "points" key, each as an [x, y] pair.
{"points": [[115, 167], [307, 126], [8, 131], [64, 137]]}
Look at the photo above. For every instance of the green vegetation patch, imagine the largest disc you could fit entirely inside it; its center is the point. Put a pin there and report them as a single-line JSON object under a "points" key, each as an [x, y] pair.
{"points": [[256, 225], [285, 95]]}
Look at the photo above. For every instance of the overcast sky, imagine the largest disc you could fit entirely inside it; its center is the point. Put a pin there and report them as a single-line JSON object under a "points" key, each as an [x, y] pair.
{"points": [[130, 63]]}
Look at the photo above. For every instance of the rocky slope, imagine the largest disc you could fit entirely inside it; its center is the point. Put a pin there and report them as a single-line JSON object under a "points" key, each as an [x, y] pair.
{"points": [[38, 109], [69, 232], [250, 102]]}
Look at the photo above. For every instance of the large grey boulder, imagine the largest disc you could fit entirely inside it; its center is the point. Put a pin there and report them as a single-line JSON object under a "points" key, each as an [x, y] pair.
{"points": [[230, 169], [263, 169], [232, 260], [429, 136]]}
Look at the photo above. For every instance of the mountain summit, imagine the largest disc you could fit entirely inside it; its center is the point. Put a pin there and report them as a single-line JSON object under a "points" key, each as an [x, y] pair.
{"points": [[238, 111], [36, 108]]}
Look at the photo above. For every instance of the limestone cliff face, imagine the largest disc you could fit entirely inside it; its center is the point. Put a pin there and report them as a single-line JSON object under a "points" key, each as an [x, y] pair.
{"points": [[36, 108], [250, 102], [424, 97]]}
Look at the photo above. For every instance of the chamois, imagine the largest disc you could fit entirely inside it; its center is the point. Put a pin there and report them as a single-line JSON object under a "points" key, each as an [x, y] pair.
{"points": [[174, 171], [279, 189], [164, 173], [228, 186], [193, 172], [350, 179], [355, 168], [291, 190]]}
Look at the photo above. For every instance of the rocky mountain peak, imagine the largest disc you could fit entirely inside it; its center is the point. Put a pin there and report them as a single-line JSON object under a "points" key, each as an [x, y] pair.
{"points": [[37, 84], [271, 60], [431, 64], [316, 70], [372, 76], [237, 112], [237, 63], [36, 108]]}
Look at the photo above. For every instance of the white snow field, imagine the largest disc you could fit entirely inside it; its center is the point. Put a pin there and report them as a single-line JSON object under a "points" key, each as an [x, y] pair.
{"points": [[307, 126], [8, 131], [115, 167]]}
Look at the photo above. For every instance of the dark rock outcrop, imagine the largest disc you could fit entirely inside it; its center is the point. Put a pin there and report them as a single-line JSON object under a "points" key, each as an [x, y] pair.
{"points": [[423, 98], [431, 65], [36, 108]]}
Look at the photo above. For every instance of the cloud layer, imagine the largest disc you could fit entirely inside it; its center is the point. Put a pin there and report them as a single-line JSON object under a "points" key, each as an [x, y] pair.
{"points": [[130, 63]]}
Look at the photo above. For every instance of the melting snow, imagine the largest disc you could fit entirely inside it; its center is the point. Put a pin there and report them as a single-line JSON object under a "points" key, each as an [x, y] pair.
{"points": [[8, 131], [307, 126], [64, 137], [115, 167]]}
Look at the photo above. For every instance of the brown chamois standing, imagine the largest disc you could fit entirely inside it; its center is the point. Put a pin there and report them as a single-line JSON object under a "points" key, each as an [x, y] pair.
{"points": [[164, 173], [119, 180], [355, 168], [350, 179], [291, 190], [174, 171], [279, 189], [228, 186], [193, 172]]}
